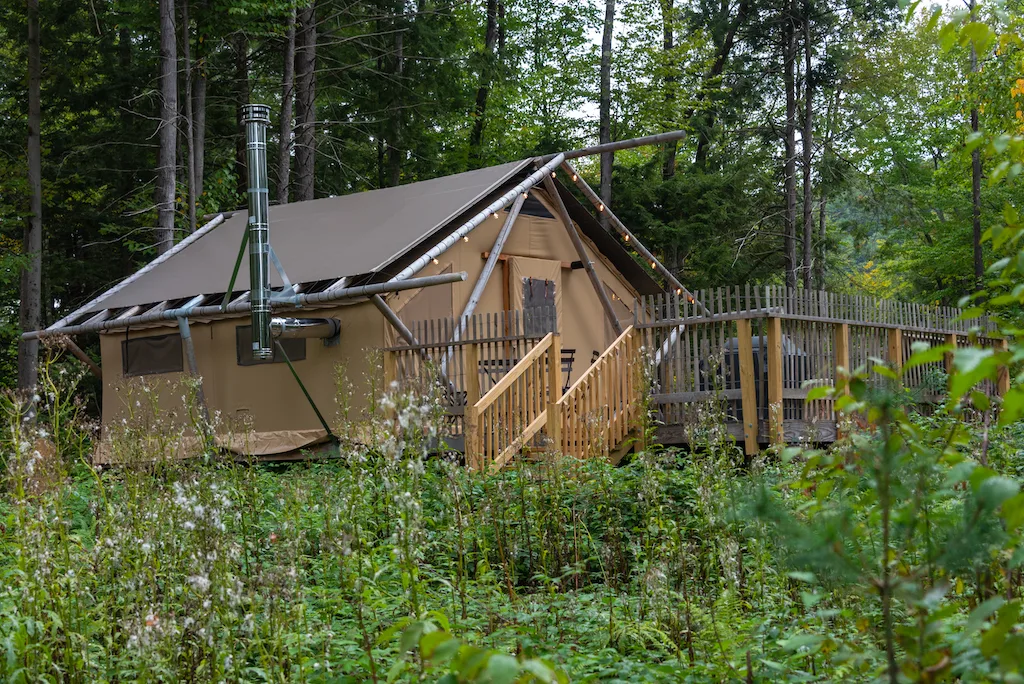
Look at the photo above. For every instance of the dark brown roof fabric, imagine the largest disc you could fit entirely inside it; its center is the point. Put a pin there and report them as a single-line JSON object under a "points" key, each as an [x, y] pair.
{"points": [[318, 240]]}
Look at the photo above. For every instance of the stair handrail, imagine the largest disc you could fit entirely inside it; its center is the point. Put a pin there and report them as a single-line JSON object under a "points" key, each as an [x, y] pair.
{"points": [[489, 450], [565, 419]]}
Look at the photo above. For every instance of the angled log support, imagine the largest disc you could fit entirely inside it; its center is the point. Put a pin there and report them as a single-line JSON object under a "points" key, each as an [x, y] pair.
{"points": [[775, 416], [581, 251]]}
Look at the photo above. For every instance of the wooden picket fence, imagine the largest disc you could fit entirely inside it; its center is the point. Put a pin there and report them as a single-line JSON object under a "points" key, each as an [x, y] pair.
{"points": [[752, 354]]}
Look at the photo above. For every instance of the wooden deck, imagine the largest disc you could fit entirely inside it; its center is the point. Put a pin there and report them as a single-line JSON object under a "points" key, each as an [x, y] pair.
{"points": [[755, 352], [748, 356]]}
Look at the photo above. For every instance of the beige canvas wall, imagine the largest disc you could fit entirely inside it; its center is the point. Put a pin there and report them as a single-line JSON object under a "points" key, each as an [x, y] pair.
{"points": [[264, 396]]}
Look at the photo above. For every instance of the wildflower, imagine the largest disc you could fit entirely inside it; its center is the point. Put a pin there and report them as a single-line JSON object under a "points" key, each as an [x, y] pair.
{"points": [[152, 620], [273, 537]]}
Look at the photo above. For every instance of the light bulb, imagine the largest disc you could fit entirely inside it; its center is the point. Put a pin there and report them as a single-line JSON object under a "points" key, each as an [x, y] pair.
{"points": [[654, 264], [526, 195], [435, 262], [627, 238], [600, 207], [495, 214], [574, 177], [678, 291], [552, 174], [465, 238]]}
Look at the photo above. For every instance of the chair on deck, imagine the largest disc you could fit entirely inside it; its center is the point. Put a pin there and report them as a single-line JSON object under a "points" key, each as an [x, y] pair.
{"points": [[568, 357]]}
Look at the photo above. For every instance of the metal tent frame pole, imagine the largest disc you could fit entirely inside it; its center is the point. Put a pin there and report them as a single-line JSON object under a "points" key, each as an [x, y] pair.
{"points": [[242, 306], [588, 265]]}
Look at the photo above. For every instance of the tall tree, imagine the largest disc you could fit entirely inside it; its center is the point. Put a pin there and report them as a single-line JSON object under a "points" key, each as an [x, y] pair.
{"points": [[979, 264], [166, 158], [190, 140], [30, 305], [605, 105], [668, 21], [789, 163], [305, 103], [199, 104], [284, 146], [483, 89], [241, 83], [808, 149]]}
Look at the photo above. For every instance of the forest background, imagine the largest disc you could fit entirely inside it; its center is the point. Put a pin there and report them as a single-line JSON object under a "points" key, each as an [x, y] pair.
{"points": [[832, 144]]}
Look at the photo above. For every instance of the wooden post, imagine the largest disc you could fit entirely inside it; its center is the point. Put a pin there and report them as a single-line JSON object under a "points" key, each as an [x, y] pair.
{"points": [[895, 348], [554, 421], [951, 340], [470, 418], [748, 389], [1003, 379], [842, 350], [390, 369], [776, 433]]}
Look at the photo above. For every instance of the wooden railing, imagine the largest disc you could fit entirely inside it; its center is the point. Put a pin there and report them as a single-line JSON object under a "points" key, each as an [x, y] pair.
{"points": [[515, 409], [757, 350], [596, 415]]}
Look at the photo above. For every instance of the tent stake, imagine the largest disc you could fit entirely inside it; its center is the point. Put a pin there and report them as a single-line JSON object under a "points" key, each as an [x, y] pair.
{"points": [[563, 214], [312, 403]]}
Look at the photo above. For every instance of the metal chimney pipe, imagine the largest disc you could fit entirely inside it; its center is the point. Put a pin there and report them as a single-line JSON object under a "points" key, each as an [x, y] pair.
{"points": [[257, 118]]}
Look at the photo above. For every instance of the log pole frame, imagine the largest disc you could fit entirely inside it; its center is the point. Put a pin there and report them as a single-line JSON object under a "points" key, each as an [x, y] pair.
{"points": [[748, 390], [581, 251]]}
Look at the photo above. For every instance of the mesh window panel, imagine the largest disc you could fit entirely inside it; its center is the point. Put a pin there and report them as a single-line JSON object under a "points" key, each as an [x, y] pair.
{"points": [[150, 355], [294, 348], [538, 306]]}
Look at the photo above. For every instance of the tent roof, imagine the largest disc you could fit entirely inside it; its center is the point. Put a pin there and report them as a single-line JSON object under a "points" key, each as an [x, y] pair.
{"points": [[317, 240], [367, 236]]}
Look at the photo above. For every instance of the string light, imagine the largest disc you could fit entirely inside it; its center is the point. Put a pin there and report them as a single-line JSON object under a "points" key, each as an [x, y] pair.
{"points": [[654, 264], [600, 207], [679, 291], [627, 238], [465, 238], [495, 214], [435, 262], [552, 174], [574, 177], [526, 195]]}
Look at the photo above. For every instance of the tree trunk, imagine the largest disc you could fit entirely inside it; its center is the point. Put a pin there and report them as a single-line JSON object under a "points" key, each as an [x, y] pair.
{"points": [[808, 150], [819, 265], [168, 128], [30, 306], [199, 106], [605, 106], [789, 165], [305, 103], [476, 136], [284, 145], [190, 141], [706, 121], [979, 265], [241, 47], [668, 168], [395, 118]]}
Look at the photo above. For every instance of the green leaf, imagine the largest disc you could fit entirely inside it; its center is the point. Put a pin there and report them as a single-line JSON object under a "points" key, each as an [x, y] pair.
{"points": [[995, 490], [501, 669], [807, 577], [1013, 511], [925, 354], [982, 613]]}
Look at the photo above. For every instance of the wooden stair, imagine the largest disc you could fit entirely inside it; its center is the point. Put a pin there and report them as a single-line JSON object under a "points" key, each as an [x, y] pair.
{"points": [[598, 417]]}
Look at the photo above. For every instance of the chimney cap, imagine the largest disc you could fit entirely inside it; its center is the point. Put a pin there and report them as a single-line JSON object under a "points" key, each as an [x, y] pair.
{"points": [[256, 113]]}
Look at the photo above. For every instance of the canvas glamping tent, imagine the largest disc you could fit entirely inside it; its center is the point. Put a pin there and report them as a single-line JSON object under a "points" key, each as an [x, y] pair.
{"points": [[370, 266]]}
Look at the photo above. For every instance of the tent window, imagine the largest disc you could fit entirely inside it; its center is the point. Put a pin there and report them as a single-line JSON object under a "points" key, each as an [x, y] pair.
{"points": [[150, 355], [294, 348], [538, 306]]}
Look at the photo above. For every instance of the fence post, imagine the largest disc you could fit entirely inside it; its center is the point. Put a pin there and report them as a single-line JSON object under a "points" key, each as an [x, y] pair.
{"points": [[390, 369], [776, 433], [1003, 379], [951, 340], [842, 349], [470, 418], [895, 348], [554, 418], [748, 390]]}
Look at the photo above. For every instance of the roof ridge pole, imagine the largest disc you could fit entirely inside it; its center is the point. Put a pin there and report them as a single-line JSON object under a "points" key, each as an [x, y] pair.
{"points": [[240, 305], [485, 274], [625, 232], [493, 208], [656, 139], [216, 221], [563, 214]]}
